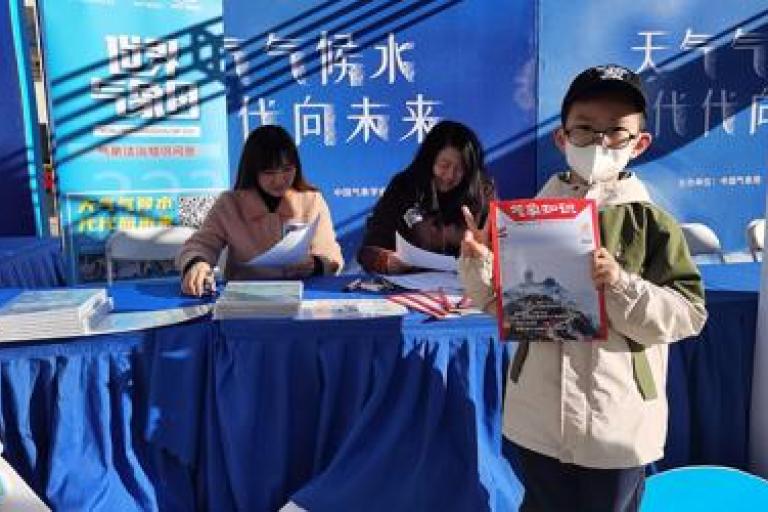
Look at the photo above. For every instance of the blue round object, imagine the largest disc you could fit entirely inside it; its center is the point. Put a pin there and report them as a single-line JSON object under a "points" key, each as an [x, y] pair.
{"points": [[705, 488]]}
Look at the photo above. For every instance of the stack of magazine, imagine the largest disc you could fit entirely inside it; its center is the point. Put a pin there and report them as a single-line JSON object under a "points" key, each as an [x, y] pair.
{"points": [[259, 299], [53, 313], [335, 309]]}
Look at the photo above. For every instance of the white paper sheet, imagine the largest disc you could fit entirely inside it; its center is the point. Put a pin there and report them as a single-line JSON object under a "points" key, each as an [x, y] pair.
{"points": [[428, 281], [17, 495], [292, 249], [416, 257]]}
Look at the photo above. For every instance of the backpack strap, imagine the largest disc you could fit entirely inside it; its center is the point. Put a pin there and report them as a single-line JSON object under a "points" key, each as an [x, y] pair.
{"points": [[517, 362], [641, 369]]}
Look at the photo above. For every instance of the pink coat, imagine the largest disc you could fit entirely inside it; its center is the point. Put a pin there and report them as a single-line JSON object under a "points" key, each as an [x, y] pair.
{"points": [[240, 220]]}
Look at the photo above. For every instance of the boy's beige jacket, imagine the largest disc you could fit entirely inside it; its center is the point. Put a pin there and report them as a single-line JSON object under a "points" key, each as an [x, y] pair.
{"points": [[241, 221], [579, 402]]}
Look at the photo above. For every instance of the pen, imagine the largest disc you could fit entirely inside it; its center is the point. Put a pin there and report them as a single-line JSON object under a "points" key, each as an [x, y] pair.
{"points": [[209, 284], [352, 285]]}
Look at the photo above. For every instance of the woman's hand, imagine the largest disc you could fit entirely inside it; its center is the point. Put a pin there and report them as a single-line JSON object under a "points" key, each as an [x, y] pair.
{"points": [[605, 269], [395, 265], [194, 281], [300, 270]]}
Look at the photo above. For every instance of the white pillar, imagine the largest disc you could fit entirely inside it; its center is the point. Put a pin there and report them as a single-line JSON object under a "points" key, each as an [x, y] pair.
{"points": [[758, 445]]}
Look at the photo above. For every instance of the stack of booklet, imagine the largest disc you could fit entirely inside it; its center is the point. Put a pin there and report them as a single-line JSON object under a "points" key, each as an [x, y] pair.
{"points": [[259, 299], [336, 309], [53, 313]]}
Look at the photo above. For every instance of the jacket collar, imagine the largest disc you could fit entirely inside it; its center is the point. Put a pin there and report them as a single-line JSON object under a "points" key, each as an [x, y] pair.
{"points": [[255, 208], [627, 189]]}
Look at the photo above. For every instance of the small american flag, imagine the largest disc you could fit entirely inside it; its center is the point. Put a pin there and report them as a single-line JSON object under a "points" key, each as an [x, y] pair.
{"points": [[434, 304]]}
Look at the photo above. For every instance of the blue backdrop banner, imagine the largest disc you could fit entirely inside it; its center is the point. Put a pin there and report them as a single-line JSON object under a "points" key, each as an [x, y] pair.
{"points": [[21, 195], [137, 101], [705, 65], [360, 83]]}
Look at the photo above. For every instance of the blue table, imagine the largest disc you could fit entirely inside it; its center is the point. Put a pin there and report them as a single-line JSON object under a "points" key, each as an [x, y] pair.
{"points": [[31, 262], [710, 376], [83, 420], [385, 414]]}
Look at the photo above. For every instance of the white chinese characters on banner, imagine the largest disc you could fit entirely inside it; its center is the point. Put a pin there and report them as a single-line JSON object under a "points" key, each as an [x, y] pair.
{"points": [[675, 104], [142, 80], [337, 60]]}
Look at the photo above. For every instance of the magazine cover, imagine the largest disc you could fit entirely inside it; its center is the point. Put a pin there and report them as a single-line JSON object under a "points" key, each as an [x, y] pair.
{"points": [[543, 270]]}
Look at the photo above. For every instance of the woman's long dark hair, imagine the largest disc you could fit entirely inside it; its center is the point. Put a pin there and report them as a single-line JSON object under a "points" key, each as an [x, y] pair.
{"points": [[268, 147], [473, 190]]}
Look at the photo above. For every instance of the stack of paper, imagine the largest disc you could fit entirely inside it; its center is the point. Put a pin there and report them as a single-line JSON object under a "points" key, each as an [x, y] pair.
{"points": [[259, 299], [53, 313], [427, 281]]}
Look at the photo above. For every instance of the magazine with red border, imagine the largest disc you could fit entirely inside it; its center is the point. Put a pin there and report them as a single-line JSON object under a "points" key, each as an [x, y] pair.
{"points": [[542, 272]]}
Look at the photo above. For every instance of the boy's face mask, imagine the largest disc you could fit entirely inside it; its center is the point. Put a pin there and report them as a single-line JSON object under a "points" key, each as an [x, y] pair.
{"points": [[595, 162]]}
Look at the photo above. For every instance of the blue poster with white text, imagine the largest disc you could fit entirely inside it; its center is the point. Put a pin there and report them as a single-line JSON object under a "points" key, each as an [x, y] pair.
{"points": [[359, 84], [705, 66], [137, 101]]}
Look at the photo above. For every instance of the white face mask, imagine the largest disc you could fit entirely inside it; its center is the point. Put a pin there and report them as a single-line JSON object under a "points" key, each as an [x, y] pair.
{"points": [[597, 163]]}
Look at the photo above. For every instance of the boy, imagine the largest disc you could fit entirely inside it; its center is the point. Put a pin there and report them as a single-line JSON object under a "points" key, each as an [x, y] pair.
{"points": [[587, 417]]}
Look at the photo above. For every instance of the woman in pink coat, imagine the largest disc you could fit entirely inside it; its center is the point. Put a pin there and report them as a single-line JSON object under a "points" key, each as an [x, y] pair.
{"points": [[270, 196]]}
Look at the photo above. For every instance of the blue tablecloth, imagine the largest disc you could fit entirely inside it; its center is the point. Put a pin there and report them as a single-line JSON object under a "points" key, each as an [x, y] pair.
{"points": [[733, 277], [79, 418], [385, 414], [30, 262], [710, 376]]}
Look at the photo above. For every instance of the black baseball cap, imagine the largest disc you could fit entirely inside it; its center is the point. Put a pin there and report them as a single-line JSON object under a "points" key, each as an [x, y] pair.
{"points": [[609, 78]]}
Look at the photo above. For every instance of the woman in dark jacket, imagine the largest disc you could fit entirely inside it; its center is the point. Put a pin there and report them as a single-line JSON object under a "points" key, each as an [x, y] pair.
{"points": [[423, 202]]}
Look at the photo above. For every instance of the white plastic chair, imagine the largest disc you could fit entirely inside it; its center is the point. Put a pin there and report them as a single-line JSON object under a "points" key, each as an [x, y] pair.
{"points": [[149, 244], [756, 238], [703, 243]]}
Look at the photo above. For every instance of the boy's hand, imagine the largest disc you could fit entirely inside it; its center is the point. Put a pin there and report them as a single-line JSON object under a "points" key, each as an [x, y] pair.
{"points": [[474, 244], [605, 269]]}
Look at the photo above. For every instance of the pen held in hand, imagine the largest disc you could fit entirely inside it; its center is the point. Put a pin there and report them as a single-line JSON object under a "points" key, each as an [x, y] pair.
{"points": [[209, 284]]}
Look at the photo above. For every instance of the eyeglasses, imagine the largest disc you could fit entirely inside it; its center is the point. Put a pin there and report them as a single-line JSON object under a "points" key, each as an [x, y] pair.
{"points": [[615, 138]]}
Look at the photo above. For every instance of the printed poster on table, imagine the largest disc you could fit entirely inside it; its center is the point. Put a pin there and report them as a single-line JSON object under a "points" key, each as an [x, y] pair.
{"points": [[542, 273]]}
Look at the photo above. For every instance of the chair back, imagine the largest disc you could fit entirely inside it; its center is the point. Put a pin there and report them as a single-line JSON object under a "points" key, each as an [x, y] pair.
{"points": [[756, 238], [148, 244], [703, 243]]}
